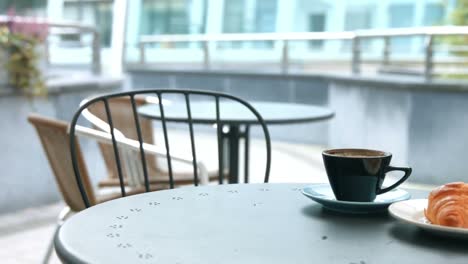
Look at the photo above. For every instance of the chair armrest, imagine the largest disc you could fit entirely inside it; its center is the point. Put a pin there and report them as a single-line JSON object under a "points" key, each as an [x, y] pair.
{"points": [[96, 121], [129, 144], [134, 146], [101, 124]]}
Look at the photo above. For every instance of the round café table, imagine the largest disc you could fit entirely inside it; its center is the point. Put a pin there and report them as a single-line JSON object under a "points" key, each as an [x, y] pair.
{"points": [[235, 116], [243, 223]]}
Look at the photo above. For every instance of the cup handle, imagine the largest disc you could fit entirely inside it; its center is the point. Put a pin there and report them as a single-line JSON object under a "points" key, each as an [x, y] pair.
{"points": [[407, 171]]}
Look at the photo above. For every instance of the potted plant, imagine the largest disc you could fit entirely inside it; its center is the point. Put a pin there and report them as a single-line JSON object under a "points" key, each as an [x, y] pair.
{"points": [[20, 40]]}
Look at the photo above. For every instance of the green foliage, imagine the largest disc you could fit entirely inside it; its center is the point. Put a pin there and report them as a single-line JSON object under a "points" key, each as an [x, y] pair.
{"points": [[22, 62], [459, 17]]}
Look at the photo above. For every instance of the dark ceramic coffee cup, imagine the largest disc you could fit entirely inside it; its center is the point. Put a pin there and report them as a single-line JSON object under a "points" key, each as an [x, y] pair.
{"points": [[358, 174]]}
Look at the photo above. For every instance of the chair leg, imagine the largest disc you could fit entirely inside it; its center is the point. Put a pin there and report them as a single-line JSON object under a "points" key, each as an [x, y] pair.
{"points": [[60, 220], [48, 253]]}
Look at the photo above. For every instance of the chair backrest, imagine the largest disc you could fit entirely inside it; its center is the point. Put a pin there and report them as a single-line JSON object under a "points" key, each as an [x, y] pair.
{"points": [[56, 143], [133, 117], [122, 117]]}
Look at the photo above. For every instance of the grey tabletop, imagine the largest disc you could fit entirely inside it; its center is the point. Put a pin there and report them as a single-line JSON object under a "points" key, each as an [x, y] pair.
{"points": [[248, 223], [231, 112]]}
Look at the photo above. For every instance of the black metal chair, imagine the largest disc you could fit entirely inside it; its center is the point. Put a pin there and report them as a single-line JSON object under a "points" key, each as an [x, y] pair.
{"points": [[115, 135]]}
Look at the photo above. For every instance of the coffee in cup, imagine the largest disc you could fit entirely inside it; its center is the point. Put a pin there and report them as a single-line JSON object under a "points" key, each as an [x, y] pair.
{"points": [[358, 174]]}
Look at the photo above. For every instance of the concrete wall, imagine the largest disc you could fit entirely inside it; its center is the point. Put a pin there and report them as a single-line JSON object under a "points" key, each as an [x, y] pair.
{"points": [[424, 129], [438, 139], [366, 117], [25, 176]]}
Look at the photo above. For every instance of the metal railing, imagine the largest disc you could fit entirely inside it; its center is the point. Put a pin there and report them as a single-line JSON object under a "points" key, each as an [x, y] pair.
{"points": [[64, 28], [429, 33]]}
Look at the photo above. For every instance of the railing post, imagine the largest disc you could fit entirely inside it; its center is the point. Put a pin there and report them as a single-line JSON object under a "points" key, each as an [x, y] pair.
{"points": [[206, 55], [356, 59], [386, 52], [141, 45], [285, 57], [96, 53], [428, 60]]}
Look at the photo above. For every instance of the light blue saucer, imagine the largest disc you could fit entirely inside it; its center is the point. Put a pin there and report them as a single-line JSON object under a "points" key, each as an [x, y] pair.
{"points": [[323, 194]]}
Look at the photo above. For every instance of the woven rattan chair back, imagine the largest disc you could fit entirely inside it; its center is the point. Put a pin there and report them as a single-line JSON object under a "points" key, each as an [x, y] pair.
{"points": [[122, 117], [56, 143]]}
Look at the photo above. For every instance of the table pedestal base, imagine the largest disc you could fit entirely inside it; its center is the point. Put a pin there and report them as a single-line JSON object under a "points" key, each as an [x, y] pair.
{"points": [[230, 145]]}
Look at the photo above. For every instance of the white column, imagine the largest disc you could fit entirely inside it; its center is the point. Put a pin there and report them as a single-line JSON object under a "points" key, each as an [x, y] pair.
{"points": [[249, 19], [285, 17], [381, 21], [418, 17], [195, 19], [335, 22], [214, 22], [55, 9], [131, 51], [382, 17], [285, 14], [250, 8], [196, 16], [114, 62], [335, 19]]}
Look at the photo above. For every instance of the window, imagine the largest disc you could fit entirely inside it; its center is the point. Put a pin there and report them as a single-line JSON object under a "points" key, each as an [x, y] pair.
{"points": [[401, 16], [316, 24], [24, 7], [233, 16], [97, 13], [265, 20], [242, 16], [164, 17], [233, 21], [359, 17], [433, 14], [265, 16], [255, 15]]}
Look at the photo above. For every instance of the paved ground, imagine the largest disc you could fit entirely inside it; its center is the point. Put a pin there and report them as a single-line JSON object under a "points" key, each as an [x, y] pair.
{"points": [[24, 235]]}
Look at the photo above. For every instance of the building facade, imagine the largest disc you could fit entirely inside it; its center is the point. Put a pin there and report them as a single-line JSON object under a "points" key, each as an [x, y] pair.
{"points": [[257, 16], [156, 17]]}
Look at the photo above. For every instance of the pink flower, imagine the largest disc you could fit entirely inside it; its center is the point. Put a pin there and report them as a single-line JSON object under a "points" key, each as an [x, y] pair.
{"points": [[28, 26]]}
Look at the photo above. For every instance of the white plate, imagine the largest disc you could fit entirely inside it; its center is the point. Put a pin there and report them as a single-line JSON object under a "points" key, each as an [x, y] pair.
{"points": [[412, 212]]}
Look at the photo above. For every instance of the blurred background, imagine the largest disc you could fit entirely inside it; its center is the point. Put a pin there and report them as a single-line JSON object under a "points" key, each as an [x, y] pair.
{"points": [[125, 26], [393, 71]]}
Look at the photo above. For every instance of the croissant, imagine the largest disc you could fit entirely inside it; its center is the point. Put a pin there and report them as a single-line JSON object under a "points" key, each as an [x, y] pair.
{"points": [[448, 205]]}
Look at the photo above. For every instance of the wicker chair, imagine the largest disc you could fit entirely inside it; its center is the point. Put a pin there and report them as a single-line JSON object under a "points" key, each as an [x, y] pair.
{"points": [[55, 140], [122, 116]]}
